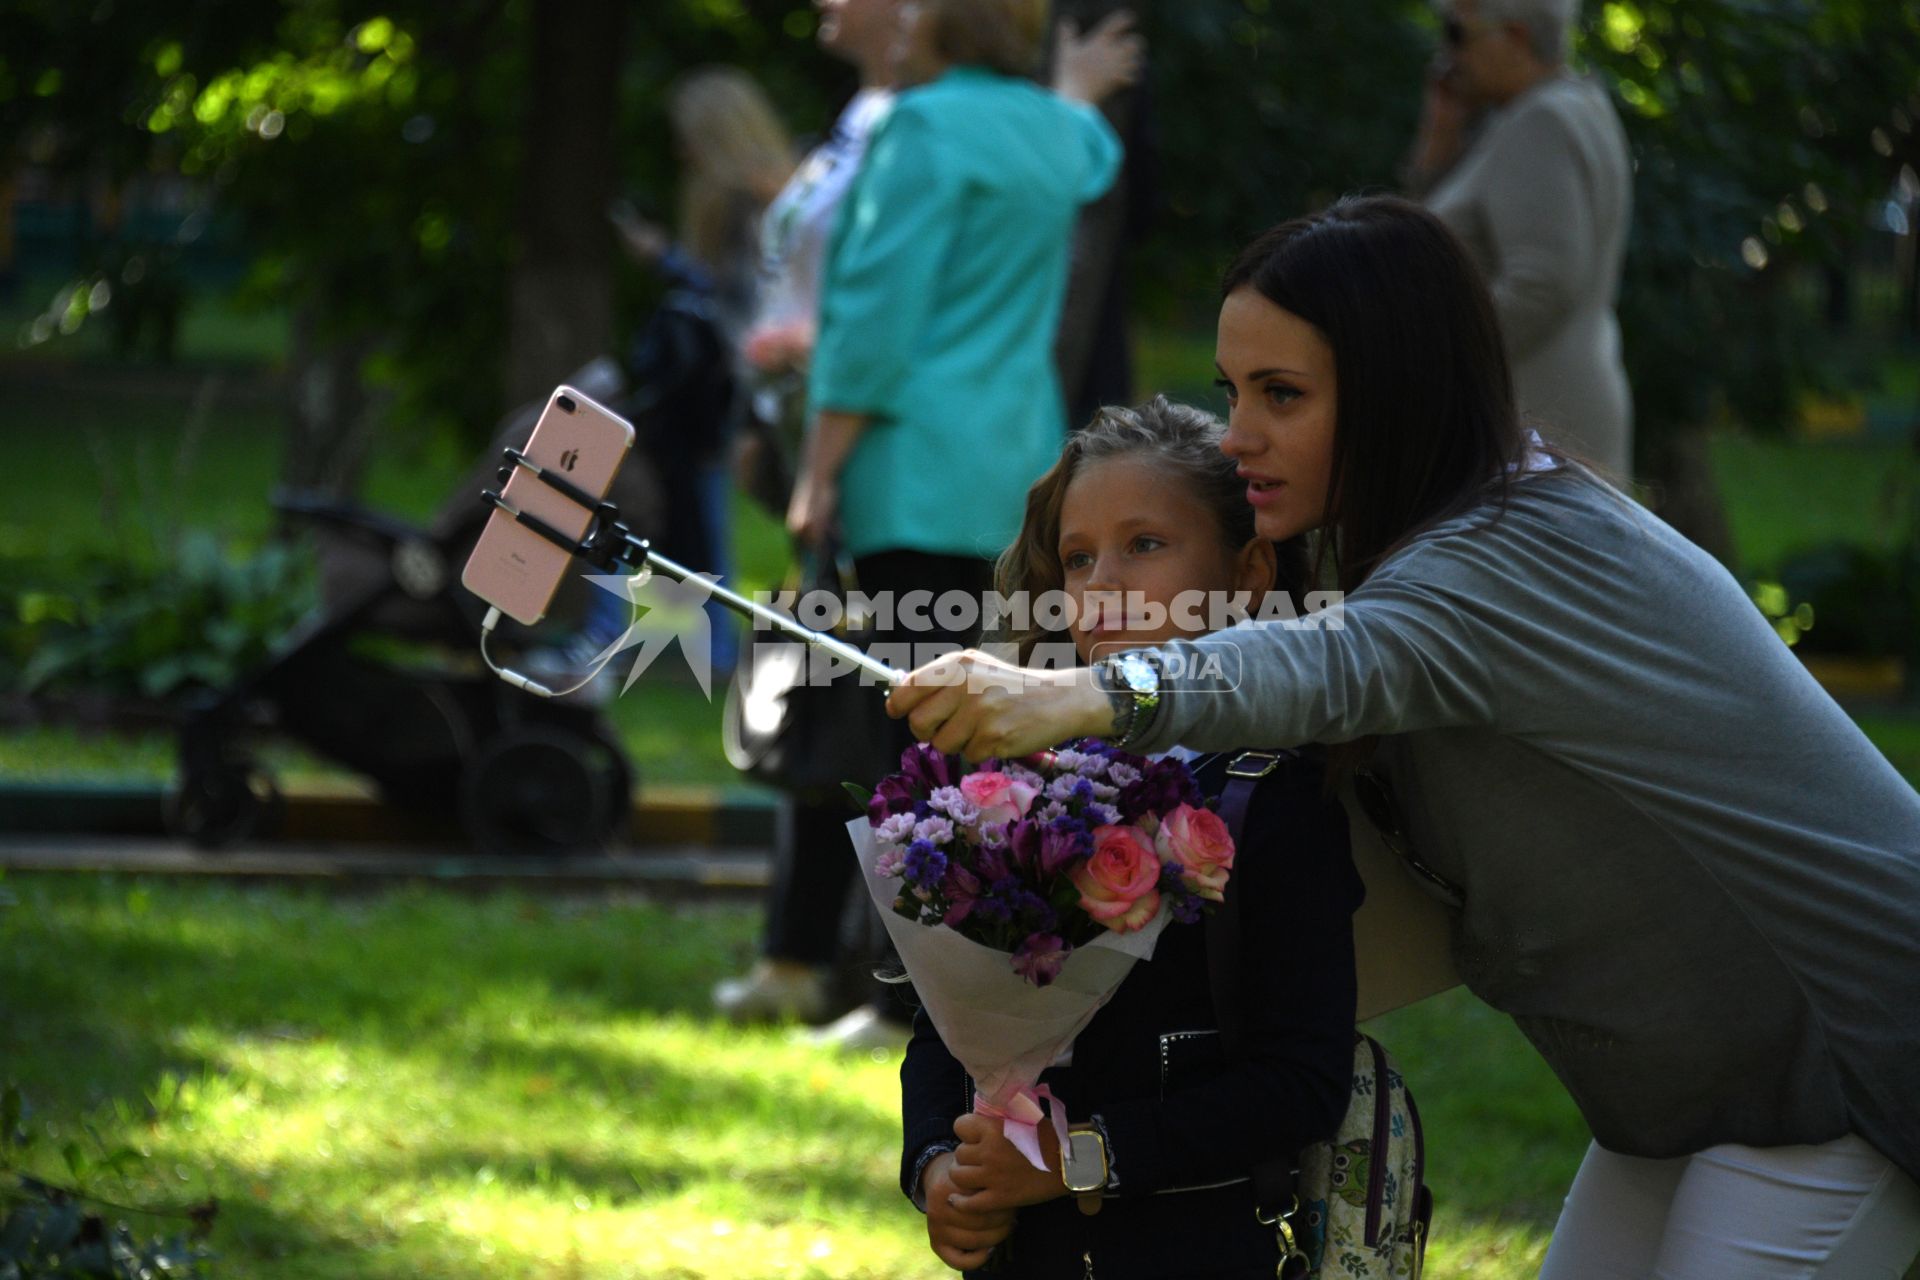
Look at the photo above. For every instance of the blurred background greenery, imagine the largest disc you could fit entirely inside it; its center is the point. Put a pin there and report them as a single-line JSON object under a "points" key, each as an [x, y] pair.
{"points": [[255, 243]]}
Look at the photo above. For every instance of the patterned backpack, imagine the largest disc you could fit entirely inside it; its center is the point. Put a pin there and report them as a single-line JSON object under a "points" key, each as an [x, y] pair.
{"points": [[1355, 1207]]}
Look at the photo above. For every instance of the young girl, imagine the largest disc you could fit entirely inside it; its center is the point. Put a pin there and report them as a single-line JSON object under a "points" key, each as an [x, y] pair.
{"points": [[1144, 502]]}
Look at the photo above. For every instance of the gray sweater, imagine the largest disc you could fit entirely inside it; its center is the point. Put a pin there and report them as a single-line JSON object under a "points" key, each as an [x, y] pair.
{"points": [[1690, 879], [1542, 202]]}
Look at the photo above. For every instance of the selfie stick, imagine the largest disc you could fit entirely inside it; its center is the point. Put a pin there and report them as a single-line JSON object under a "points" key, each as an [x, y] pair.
{"points": [[609, 545]]}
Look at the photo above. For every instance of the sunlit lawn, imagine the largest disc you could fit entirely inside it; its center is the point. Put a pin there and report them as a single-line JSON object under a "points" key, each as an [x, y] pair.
{"points": [[425, 1085]]}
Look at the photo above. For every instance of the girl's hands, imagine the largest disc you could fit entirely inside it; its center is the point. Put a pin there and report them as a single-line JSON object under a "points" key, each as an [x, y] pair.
{"points": [[961, 1237], [979, 706], [993, 1176]]}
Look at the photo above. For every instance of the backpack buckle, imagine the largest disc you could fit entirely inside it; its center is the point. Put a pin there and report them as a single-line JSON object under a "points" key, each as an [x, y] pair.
{"points": [[1294, 1264]]}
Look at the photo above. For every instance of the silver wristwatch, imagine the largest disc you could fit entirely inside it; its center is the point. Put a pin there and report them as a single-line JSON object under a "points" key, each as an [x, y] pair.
{"points": [[1135, 680]]}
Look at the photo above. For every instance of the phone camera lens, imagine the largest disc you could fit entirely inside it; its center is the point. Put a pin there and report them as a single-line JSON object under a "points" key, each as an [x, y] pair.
{"points": [[566, 404]]}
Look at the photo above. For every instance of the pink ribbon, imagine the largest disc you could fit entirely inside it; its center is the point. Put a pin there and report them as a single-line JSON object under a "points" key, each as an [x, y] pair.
{"points": [[1020, 1116]]}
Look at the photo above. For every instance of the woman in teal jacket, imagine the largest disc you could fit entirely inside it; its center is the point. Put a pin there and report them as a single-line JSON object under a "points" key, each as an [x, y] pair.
{"points": [[933, 393], [933, 401]]}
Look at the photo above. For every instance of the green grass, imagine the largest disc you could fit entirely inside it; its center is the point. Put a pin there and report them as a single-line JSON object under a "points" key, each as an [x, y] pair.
{"points": [[1784, 496], [116, 465], [426, 1085]]}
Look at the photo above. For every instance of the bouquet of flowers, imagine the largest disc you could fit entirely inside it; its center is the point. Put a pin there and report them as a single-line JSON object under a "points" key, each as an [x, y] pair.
{"points": [[1020, 893]]}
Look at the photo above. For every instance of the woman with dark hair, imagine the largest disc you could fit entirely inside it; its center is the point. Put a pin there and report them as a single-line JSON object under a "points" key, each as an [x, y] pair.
{"points": [[1686, 874]]}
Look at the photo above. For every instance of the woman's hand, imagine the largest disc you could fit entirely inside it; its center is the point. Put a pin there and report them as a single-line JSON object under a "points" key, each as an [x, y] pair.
{"points": [[961, 1237], [816, 490], [812, 509], [1087, 68], [993, 1176], [977, 706], [1444, 118]]}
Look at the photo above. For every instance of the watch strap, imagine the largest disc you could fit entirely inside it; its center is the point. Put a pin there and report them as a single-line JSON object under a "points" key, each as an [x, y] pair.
{"points": [[1120, 694]]}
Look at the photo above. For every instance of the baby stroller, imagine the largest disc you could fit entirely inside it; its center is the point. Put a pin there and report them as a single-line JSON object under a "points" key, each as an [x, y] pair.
{"points": [[385, 678]]}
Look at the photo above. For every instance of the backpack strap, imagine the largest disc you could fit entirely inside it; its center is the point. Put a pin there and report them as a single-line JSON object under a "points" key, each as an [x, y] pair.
{"points": [[1273, 1181]]}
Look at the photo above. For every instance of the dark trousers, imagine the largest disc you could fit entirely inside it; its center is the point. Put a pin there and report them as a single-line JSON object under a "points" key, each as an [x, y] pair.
{"points": [[808, 907]]}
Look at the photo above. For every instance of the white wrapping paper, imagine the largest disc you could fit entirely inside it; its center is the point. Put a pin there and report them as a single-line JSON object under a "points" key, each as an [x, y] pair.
{"points": [[1003, 1029]]}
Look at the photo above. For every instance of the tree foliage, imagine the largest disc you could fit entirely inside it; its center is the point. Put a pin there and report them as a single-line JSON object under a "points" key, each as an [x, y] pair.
{"points": [[1763, 132], [372, 149]]}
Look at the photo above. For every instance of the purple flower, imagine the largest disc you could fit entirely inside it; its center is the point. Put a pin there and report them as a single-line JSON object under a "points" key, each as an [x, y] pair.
{"points": [[890, 863], [996, 861], [925, 864], [1104, 815], [998, 905], [936, 830], [1045, 849], [1050, 811], [1065, 844], [895, 794], [929, 769], [1122, 774], [1080, 791], [962, 888], [1186, 908], [1034, 910], [950, 801], [1164, 786], [897, 829], [1039, 958], [1023, 840]]}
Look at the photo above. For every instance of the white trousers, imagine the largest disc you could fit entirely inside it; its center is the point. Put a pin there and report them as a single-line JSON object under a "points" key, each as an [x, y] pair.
{"points": [[1838, 1211]]}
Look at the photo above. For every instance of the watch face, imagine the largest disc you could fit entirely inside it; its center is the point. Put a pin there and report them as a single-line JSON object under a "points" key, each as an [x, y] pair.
{"points": [[1086, 1162], [1139, 674]]}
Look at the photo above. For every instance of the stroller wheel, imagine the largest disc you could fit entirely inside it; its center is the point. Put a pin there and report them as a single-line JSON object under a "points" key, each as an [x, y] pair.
{"points": [[539, 790], [221, 804], [611, 759]]}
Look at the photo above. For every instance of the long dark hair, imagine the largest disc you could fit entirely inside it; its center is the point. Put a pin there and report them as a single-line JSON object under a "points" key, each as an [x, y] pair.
{"points": [[1184, 442], [1425, 424]]}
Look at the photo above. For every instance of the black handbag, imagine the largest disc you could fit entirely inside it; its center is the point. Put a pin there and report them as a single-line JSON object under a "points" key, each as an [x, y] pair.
{"points": [[807, 736]]}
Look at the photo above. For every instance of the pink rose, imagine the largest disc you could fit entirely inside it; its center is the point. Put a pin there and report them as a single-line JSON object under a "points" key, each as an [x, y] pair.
{"points": [[999, 798], [1199, 841], [1119, 884]]}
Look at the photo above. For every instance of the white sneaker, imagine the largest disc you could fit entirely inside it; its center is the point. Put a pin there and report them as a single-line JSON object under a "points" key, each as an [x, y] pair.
{"points": [[863, 1029], [773, 993]]}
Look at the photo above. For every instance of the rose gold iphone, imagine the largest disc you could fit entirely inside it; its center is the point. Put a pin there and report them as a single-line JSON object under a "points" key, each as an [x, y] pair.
{"points": [[513, 567]]}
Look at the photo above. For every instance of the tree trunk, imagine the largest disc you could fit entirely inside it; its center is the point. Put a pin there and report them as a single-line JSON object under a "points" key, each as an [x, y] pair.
{"points": [[329, 428], [1686, 494], [561, 290]]}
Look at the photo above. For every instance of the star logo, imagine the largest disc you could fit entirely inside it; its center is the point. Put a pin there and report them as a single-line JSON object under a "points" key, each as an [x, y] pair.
{"points": [[665, 611]]}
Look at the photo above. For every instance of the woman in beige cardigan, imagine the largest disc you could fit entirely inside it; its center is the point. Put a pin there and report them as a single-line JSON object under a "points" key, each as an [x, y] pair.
{"points": [[1540, 196]]}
